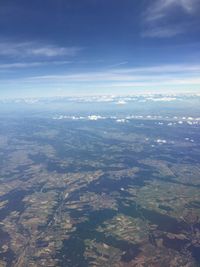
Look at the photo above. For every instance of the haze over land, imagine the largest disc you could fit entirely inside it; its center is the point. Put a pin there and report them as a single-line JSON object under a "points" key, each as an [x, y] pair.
{"points": [[100, 181]]}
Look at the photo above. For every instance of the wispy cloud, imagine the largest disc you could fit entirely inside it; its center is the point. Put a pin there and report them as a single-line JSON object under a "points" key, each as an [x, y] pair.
{"points": [[35, 49], [173, 75], [159, 69], [168, 18], [163, 32], [118, 64], [163, 8], [182, 77], [21, 65]]}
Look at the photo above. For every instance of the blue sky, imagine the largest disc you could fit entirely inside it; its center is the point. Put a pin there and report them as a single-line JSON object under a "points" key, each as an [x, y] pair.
{"points": [[83, 47]]}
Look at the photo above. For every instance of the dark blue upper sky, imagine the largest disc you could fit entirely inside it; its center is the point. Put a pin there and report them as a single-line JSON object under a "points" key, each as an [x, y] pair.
{"points": [[70, 47]]}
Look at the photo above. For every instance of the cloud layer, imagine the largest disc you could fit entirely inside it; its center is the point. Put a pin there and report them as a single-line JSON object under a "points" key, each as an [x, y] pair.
{"points": [[156, 77]]}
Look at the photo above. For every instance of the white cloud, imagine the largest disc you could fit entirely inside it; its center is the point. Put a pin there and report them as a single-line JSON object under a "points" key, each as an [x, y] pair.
{"points": [[121, 102], [161, 99], [162, 18], [161, 141], [163, 8], [34, 49], [19, 65], [52, 51], [163, 32]]}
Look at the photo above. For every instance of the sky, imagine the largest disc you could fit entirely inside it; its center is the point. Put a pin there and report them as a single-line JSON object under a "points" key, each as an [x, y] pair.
{"points": [[93, 47]]}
